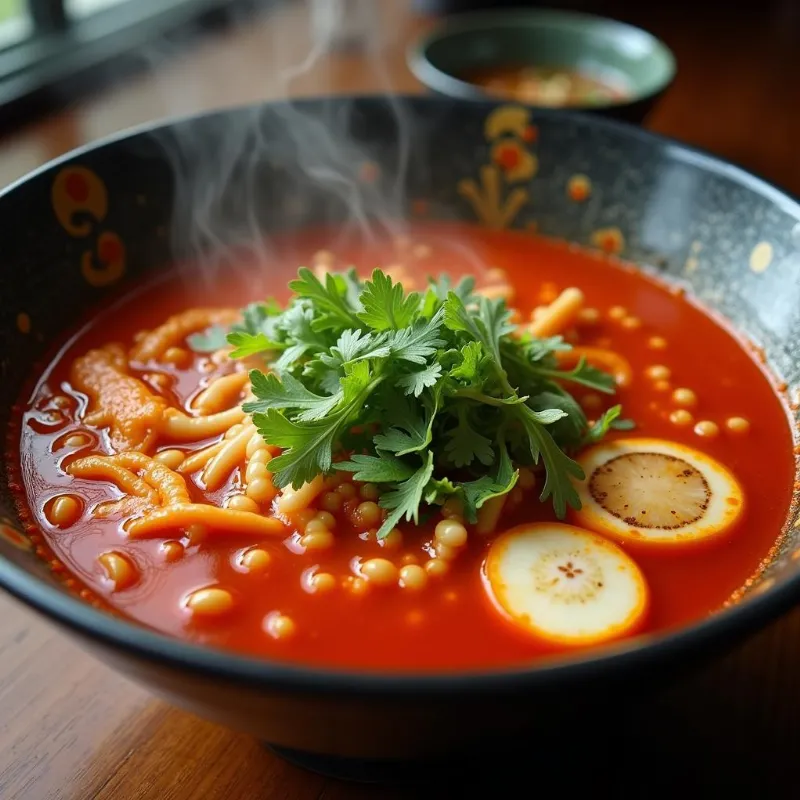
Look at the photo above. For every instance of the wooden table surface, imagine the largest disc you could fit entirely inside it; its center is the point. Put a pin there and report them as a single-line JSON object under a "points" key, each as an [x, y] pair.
{"points": [[71, 728]]}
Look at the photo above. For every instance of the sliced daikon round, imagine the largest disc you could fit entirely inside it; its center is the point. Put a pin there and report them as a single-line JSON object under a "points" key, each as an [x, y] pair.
{"points": [[652, 491], [566, 585]]}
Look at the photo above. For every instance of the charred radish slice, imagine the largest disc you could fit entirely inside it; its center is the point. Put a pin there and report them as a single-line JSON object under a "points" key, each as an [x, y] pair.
{"points": [[566, 585], [656, 492]]}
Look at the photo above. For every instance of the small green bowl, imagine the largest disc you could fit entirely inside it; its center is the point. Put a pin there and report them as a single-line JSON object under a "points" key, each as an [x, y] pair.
{"points": [[605, 49]]}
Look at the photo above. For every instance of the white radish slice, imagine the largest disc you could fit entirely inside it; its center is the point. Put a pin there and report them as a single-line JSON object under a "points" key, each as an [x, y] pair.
{"points": [[656, 492], [566, 585]]}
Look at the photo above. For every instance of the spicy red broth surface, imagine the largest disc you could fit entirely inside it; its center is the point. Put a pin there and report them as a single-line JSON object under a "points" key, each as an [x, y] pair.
{"points": [[452, 623]]}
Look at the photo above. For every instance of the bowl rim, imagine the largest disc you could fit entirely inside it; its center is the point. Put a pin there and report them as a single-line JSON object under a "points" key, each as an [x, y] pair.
{"points": [[438, 80], [615, 661]]}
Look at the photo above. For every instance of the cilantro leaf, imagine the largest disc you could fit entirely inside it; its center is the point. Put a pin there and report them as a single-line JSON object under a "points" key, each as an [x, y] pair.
{"points": [[412, 431], [352, 287], [609, 419], [385, 306], [247, 344], [495, 319], [322, 378], [416, 382], [546, 416], [456, 317], [358, 382], [330, 300], [438, 490], [488, 327], [260, 318], [308, 444], [288, 393], [559, 467], [476, 493], [442, 287], [308, 447], [418, 342], [258, 332], [257, 321], [466, 444], [583, 373], [349, 346], [383, 468], [298, 324], [209, 340], [253, 318], [539, 349], [404, 500], [289, 357], [571, 427], [470, 369]]}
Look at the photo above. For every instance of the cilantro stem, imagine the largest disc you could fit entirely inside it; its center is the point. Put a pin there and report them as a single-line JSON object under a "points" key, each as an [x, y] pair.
{"points": [[575, 375], [480, 397]]}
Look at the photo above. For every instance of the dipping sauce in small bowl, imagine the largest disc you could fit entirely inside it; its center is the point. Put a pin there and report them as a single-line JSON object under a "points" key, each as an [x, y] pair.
{"points": [[553, 87], [545, 59]]}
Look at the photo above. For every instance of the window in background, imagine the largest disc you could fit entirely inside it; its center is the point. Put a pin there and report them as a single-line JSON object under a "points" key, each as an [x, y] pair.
{"points": [[15, 22], [51, 49], [83, 8]]}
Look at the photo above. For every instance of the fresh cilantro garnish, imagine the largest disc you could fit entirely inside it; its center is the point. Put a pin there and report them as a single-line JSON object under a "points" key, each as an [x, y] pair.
{"points": [[383, 468], [404, 500], [501, 481], [431, 396], [465, 444], [288, 394], [409, 431], [248, 344], [208, 341], [386, 306], [609, 420], [416, 382], [330, 301], [309, 440]]}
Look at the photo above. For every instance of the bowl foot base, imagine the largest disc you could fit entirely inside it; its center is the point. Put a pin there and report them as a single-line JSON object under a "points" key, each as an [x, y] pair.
{"points": [[356, 770]]}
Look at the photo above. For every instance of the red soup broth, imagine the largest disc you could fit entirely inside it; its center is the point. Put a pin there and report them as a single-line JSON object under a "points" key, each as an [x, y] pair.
{"points": [[546, 86], [452, 623]]}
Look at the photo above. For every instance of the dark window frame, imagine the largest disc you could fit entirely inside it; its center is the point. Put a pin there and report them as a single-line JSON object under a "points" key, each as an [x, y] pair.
{"points": [[65, 56]]}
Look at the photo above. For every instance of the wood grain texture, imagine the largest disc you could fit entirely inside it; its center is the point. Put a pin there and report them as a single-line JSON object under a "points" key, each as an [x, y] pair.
{"points": [[72, 729]]}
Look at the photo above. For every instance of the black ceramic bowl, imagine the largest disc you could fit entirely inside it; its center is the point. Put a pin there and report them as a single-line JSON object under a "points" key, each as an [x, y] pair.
{"points": [[613, 52], [103, 218]]}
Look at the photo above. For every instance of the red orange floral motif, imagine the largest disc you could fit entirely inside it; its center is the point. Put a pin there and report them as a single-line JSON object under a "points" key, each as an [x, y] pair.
{"points": [[80, 203], [579, 188], [609, 240], [494, 200], [515, 161], [506, 156], [106, 265], [77, 193]]}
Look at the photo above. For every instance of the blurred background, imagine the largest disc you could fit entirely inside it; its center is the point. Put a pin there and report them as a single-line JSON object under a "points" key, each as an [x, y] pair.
{"points": [[75, 70]]}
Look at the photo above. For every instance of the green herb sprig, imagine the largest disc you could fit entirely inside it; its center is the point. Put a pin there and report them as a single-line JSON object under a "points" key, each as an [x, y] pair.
{"points": [[430, 395]]}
